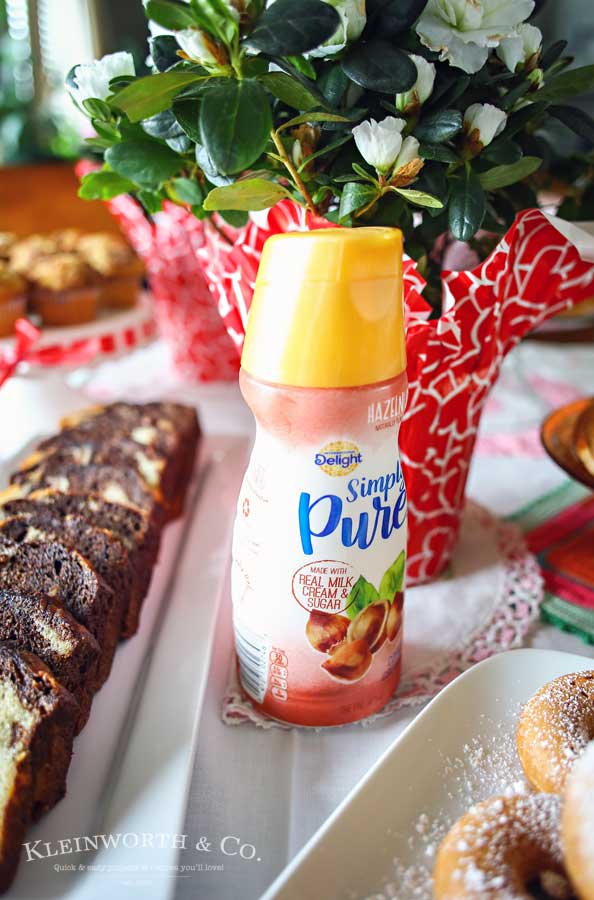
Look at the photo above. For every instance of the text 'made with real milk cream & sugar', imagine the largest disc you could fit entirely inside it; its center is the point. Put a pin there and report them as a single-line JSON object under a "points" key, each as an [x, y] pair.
{"points": [[319, 546]]}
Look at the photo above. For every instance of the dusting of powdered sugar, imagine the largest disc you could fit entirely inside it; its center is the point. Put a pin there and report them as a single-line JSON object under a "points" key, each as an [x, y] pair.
{"points": [[556, 724], [485, 839], [488, 765], [580, 807]]}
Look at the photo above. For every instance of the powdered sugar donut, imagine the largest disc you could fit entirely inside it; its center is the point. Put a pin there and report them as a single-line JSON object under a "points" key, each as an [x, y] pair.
{"points": [[555, 728], [577, 825], [499, 847]]}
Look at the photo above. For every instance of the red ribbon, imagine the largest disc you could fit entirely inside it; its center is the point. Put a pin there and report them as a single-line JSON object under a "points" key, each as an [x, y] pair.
{"points": [[27, 335]]}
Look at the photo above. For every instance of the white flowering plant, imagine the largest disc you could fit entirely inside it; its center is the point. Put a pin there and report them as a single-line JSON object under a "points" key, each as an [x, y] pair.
{"points": [[429, 115]]}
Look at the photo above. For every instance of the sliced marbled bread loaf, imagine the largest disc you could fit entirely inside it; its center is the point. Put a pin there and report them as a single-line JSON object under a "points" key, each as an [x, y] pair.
{"points": [[54, 569], [37, 716]]}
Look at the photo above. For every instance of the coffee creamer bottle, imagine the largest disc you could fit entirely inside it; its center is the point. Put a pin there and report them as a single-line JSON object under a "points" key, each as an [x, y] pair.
{"points": [[320, 535]]}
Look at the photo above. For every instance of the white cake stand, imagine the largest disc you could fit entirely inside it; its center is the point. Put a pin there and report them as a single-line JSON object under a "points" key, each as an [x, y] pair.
{"points": [[36, 396]]}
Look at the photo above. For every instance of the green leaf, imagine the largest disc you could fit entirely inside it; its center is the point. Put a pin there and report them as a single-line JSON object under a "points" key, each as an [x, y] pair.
{"points": [[468, 205], [432, 180], [568, 84], [234, 217], [145, 162], [251, 194], [148, 96], [367, 174], [97, 109], [303, 66], [187, 113], [163, 126], [438, 152], [419, 198], [390, 17], [312, 117], [151, 200], [174, 16], [288, 90], [502, 150], [333, 145], [439, 126], [163, 50], [450, 84], [333, 82], [379, 66], [207, 166], [502, 176], [106, 131], [355, 196], [104, 185], [552, 54], [217, 19], [362, 594], [393, 578], [290, 27], [188, 191], [576, 119], [235, 123], [522, 117]]}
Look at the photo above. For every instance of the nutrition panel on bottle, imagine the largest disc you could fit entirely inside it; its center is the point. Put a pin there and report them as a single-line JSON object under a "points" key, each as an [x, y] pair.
{"points": [[319, 548]]}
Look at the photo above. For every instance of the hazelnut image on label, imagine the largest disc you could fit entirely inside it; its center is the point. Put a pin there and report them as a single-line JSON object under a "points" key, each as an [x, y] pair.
{"points": [[370, 625], [350, 662], [325, 630], [393, 621]]}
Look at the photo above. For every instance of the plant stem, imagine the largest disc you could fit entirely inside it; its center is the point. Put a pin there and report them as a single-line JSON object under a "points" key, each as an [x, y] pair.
{"points": [[293, 172], [368, 206]]}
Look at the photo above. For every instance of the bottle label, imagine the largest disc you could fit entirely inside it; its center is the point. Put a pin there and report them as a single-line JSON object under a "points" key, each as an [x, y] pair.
{"points": [[319, 556]]}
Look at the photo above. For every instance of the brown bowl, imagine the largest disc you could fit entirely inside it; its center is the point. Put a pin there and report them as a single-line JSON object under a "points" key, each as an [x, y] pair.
{"points": [[561, 431]]}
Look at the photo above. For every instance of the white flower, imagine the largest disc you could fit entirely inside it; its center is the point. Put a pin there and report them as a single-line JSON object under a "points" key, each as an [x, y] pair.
{"points": [[408, 152], [379, 143], [92, 79], [483, 122], [195, 44], [352, 22], [421, 89], [516, 50], [463, 30]]}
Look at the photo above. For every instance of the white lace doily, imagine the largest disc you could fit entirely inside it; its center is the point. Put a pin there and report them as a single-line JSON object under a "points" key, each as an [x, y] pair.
{"points": [[485, 603]]}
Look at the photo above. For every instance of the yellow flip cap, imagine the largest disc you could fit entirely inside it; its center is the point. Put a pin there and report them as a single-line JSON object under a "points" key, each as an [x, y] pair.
{"points": [[327, 309]]}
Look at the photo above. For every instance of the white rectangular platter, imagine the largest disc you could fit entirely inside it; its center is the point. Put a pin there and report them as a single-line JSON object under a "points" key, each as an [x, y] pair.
{"points": [[127, 785], [380, 842]]}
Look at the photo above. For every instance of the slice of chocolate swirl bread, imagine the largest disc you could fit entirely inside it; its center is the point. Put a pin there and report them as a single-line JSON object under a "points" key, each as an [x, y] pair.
{"points": [[37, 716], [132, 526], [53, 569]]}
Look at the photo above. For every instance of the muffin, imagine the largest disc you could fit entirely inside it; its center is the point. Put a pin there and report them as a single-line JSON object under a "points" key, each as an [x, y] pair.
{"points": [[13, 299], [66, 239], [7, 240], [64, 290], [26, 252], [117, 267]]}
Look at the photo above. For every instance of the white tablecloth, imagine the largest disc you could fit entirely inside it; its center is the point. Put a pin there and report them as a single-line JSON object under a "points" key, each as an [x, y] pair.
{"points": [[273, 789]]}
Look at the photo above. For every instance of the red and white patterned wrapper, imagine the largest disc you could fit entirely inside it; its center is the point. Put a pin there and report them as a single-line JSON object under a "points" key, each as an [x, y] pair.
{"points": [[453, 361], [172, 246]]}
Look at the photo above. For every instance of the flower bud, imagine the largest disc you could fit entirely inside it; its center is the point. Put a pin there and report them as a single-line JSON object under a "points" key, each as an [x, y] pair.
{"points": [[482, 123], [198, 46], [92, 80], [520, 50], [352, 22], [410, 100], [407, 164]]}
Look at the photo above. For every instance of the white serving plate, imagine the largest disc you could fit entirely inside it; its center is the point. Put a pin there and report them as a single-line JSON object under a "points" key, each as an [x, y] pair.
{"points": [[132, 763], [459, 750]]}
